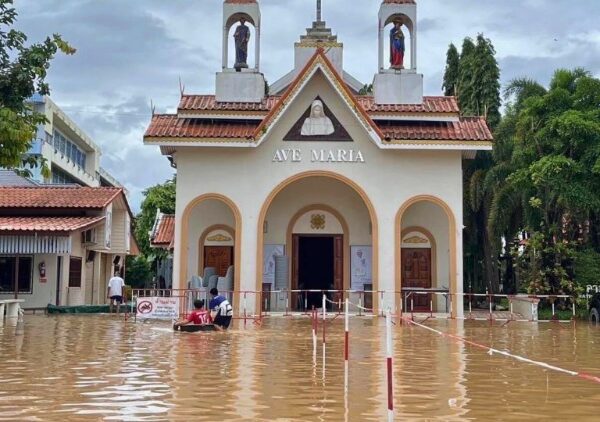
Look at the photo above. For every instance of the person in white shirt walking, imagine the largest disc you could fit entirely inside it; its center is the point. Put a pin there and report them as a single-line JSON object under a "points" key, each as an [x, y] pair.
{"points": [[115, 291]]}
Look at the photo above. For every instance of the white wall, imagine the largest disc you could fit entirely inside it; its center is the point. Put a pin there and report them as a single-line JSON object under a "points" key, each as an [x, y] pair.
{"points": [[318, 190], [42, 293]]}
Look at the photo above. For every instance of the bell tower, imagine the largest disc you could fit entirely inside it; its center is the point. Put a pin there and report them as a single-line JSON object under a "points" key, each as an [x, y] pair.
{"points": [[397, 82], [237, 81]]}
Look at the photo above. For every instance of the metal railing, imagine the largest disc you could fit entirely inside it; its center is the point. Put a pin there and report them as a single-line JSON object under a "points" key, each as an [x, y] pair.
{"points": [[434, 303]]}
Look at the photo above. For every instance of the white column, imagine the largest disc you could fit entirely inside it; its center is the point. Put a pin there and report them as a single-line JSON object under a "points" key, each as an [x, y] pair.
{"points": [[225, 46], [387, 263], [381, 45], [459, 265], [257, 49], [248, 257], [413, 47]]}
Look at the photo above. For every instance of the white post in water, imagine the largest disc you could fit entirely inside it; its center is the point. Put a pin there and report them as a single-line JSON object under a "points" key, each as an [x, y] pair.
{"points": [[390, 354], [314, 335], [324, 320], [346, 347]]}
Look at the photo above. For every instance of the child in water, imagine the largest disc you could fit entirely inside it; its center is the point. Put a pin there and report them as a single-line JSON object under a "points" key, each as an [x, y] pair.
{"points": [[198, 316]]}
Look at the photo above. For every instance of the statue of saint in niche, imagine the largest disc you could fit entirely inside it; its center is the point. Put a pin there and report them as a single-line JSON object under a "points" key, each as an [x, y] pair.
{"points": [[397, 46], [317, 123], [241, 36]]}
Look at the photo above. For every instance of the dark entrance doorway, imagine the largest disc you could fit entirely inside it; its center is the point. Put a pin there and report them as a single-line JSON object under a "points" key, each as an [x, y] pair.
{"points": [[317, 265]]}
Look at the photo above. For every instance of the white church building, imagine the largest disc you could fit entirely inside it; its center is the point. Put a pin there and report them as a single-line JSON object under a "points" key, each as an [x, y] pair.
{"points": [[306, 185]]}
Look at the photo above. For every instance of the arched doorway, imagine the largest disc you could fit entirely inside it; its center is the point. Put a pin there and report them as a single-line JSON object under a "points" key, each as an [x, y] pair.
{"points": [[216, 248], [200, 216], [426, 254], [319, 190]]}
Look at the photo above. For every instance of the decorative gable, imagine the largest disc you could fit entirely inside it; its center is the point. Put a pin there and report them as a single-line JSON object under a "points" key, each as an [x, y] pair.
{"points": [[318, 123]]}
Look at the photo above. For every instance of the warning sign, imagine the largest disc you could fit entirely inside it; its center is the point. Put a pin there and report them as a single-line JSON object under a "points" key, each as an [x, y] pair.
{"points": [[158, 307]]}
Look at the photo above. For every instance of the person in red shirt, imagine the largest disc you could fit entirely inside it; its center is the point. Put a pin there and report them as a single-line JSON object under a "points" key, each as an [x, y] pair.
{"points": [[198, 316]]}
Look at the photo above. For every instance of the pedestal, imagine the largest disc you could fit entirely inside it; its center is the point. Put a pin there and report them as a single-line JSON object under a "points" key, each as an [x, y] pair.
{"points": [[247, 86], [398, 87]]}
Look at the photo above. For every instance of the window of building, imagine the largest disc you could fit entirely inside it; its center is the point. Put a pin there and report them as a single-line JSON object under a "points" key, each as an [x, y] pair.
{"points": [[59, 177], [69, 149], [75, 272], [16, 271]]}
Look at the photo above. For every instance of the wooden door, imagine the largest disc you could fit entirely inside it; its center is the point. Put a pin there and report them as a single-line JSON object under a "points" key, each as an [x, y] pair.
{"points": [[219, 257], [416, 273]]}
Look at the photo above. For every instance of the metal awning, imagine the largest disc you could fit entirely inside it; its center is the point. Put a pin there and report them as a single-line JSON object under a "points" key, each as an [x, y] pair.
{"points": [[35, 244]]}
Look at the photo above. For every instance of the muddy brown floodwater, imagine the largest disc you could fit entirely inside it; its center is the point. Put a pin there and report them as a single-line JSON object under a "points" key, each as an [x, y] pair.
{"points": [[100, 368]]}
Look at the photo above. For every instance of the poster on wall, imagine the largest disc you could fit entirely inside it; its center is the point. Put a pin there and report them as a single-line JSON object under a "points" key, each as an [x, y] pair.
{"points": [[158, 308], [361, 264], [269, 254]]}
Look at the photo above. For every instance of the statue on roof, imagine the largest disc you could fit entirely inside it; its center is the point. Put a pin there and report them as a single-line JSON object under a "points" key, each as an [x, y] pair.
{"points": [[397, 46], [241, 36]]}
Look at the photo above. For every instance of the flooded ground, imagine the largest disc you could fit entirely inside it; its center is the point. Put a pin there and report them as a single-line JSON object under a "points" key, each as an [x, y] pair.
{"points": [[100, 368]]}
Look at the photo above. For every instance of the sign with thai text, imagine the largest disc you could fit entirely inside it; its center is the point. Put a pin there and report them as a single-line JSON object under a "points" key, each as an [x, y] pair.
{"points": [[295, 155], [158, 308]]}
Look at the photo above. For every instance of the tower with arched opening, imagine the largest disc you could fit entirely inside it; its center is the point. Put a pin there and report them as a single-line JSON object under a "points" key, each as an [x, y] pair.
{"points": [[238, 81], [397, 80]]}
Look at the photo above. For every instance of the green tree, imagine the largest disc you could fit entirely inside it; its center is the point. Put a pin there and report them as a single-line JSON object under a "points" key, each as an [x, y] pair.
{"points": [[23, 70], [475, 79], [553, 180], [138, 272], [367, 89], [451, 74], [156, 197], [466, 78]]}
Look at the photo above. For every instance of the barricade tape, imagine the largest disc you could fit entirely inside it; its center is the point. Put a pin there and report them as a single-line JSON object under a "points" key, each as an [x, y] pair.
{"points": [[491, 351], [350, 303]]}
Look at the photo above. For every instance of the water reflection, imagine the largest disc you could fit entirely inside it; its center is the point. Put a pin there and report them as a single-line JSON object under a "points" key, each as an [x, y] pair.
{"points": [[99, 367]]}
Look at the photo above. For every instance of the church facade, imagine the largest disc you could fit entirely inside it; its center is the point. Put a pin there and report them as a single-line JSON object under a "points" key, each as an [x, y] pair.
{"points": [[308, 185]]}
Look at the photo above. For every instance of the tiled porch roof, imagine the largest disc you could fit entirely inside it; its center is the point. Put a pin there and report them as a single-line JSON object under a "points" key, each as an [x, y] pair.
{"points": [[57, 197], [47, 224]]}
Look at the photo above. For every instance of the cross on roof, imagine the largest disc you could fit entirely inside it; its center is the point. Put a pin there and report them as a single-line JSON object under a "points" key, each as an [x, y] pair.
{"points": [[318, 10]]}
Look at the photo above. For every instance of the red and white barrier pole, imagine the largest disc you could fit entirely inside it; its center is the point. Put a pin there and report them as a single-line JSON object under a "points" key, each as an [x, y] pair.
{"points": [[324, 320], [390, 378], [346, 345], [314, 335]]}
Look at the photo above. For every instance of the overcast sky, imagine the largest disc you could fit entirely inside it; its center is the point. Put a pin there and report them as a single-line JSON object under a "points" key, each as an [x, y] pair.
{"points": [[133, 51]]}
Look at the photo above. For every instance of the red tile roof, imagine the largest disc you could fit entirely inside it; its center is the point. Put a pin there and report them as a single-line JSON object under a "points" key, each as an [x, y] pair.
{"points": [[47, 224], [169, 126], [430, 105], [467, 129], [208, 104], [165, 231], [57, 197]]}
